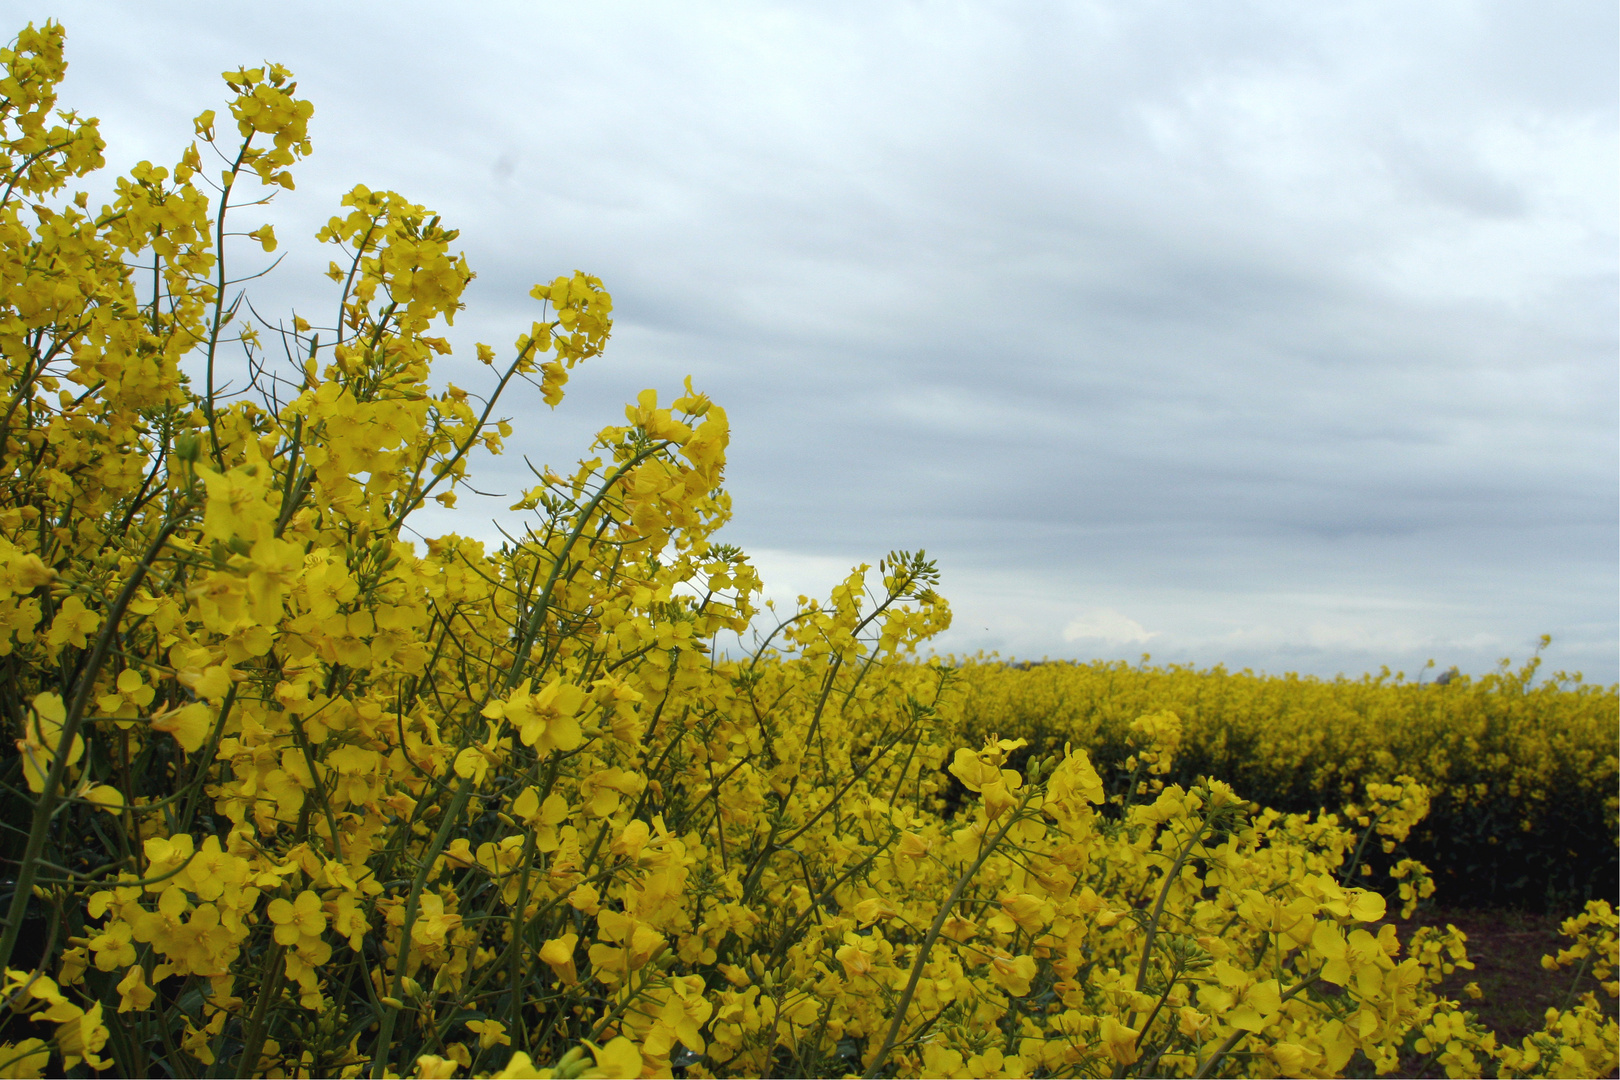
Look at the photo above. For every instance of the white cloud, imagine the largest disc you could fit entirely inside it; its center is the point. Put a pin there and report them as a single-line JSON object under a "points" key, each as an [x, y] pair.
{"points": [[1106, 624], [788, 575]]}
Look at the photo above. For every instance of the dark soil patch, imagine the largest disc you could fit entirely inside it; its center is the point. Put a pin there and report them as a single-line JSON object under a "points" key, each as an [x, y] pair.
{"points": [[1506, 948]]}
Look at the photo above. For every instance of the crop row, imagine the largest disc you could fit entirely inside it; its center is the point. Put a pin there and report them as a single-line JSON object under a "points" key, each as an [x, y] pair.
{"points": [[1522, 773]]}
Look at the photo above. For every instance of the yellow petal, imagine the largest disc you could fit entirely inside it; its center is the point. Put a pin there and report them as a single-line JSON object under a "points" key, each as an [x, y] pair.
{"points": [[108, 798], [619, 1058]]}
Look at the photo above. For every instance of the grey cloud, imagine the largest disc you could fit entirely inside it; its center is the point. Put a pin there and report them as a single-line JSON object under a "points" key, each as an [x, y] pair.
{"points": [[1217, 318]]}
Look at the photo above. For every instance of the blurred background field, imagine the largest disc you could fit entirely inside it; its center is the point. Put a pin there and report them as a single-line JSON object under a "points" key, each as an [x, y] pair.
{"points": [[1522, 769]]}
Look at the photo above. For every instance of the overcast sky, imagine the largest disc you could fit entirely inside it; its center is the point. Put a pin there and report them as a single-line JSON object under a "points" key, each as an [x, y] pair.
{"points": [[1277, 335]]}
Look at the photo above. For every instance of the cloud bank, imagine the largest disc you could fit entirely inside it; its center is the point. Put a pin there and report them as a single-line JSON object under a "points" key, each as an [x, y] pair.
{"points": [[1288, 330]]}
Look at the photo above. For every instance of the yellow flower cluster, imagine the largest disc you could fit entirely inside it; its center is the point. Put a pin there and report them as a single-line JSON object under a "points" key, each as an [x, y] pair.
{"points": [[297, 796], [1521, 776]]}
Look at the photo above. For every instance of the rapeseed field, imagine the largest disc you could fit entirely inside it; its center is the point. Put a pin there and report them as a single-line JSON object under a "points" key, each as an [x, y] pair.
{"points": [[294, 794], [1521, 775]]}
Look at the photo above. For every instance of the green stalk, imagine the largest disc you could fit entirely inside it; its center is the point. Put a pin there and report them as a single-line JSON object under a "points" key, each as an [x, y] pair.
{"points": [[1237, 1036], [933, 935], [452, 815], [1164, 894], [258, 1026], [219, 295], [45, 805]]}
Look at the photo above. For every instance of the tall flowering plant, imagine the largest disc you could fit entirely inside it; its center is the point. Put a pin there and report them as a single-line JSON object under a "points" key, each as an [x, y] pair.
{"points": [[291, 793]]}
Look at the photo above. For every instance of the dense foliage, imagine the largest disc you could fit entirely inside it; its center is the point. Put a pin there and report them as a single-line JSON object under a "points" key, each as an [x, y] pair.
{"points": [[1522, 775], [294, 795]]}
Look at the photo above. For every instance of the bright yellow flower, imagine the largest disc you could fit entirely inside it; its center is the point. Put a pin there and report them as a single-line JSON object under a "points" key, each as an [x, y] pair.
{"points": [[519, 1067], [42, 737], [618, 1059], [857, 956], [165, 857], [24, 1059], [1119, 1040], [433, 1067], [130, 699], [558, 953], [1256, 1007], [112, 947], [212, 871], [105, 797], [80, 1033], [134, 994], [433, 922], [189, 724], [544, 720], [72, 623], [303, 917], [1012, 973], [490, 1033]]}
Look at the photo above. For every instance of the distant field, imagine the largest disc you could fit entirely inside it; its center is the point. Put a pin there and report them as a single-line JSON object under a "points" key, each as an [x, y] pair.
{"points": [[1522, 772]]}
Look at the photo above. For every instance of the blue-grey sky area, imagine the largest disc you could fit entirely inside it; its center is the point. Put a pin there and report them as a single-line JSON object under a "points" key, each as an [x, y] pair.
{"points": [[1276, 335]]}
